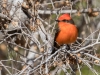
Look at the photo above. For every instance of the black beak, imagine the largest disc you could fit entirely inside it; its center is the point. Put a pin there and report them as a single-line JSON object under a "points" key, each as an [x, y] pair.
{"points": [[57, 20]]}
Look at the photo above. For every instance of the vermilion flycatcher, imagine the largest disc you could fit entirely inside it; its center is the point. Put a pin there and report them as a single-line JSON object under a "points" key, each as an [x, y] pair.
{"points": [[67, 32]]}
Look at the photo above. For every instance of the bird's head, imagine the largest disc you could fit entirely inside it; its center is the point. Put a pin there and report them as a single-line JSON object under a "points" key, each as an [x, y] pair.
{"points": [[65, 18]]}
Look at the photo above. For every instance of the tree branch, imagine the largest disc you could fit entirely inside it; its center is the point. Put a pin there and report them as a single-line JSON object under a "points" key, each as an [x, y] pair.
{"points": [[4, 16], [66, 11]]}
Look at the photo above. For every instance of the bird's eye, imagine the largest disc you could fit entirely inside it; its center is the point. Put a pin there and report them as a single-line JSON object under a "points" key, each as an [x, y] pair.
{"points": [[65, 20], [68, 21]]}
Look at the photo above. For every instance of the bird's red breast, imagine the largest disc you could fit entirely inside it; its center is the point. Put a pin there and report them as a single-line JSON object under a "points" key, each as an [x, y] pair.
{"points": [[67, 31]]}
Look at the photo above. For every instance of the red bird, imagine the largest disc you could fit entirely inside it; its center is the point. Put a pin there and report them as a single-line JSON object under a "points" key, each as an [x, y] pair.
{"points": [[67, 32]]}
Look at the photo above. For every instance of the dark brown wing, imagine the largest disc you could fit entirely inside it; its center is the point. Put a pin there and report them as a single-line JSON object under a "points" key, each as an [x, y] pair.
{"points": [[56, 46]]}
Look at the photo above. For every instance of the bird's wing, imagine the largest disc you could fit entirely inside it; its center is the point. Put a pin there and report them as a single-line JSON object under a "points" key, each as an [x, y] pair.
{"points": [[55, 45], [56, 35]]}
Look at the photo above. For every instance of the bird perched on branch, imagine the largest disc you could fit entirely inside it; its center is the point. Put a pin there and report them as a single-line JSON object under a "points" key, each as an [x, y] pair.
{"points": [[66, 33]]}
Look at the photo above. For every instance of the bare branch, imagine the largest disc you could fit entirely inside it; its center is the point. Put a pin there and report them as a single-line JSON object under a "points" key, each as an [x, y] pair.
{"points": [[66, 11]]}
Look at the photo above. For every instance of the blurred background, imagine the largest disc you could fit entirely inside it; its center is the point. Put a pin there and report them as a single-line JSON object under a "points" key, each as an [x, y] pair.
{"points": [[27, 30]]}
